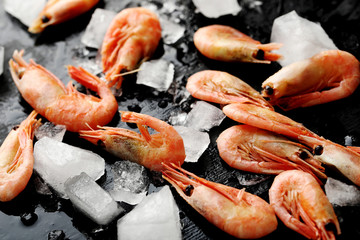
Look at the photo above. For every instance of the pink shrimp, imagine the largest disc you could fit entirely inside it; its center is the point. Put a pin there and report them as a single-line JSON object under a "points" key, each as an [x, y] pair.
{"points": [[343, 159], [16, 158], [165, 146], [227, 44], [131, 38], [59, 104], [301, 205], [223, 88], [313, 81], [234, 211], [58, 11], [255, 150]]}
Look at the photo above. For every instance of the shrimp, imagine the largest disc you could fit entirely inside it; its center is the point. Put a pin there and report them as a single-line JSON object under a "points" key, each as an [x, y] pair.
{"points": [[223, 88], [344, 160], [148, 150], [16, 158], [58, 11], [227, 44], [59, 104], [131, 38], [313, 81], [259, 151], [234, 211], [301, 205]]}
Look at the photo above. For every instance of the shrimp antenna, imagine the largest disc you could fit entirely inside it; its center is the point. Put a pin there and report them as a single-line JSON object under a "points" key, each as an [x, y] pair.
{"points": [[125, 73]]}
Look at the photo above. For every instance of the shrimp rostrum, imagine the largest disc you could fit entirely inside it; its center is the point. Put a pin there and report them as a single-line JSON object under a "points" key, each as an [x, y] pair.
{"points": [[344, 160], [325, 77], [259, 151], [223, 88], [16, 158], [131, 38], [224, 43], [58, 11], [59, 104], [234, 211], [149, 150], [301, 205]]}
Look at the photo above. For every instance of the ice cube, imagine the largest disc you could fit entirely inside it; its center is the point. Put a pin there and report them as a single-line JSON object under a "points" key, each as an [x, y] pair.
{"points": [[25, 11], [2, 53], [171, 32], [249, 179], [93, 201], [56, 161], [217, 8], [131, 182], [97, 27], [195, 142], [342, 194], [300, 37], [178, 119], [155, 218], [204, 116], [157, 74], [51, 130]]}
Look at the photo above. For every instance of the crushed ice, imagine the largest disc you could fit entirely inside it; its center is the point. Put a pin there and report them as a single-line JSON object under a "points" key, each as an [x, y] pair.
{"points": [[97, 27], [217, 8], [195, 142], [2, 55], [156, 217], [56, 161], [157, 74], [93, 201], [342, 194], [204, 116], [20, 9], [300, 37], [131, 182], [51, 130]]}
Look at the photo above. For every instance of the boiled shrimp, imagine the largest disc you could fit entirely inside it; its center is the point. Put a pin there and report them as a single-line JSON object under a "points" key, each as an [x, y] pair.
{"points": [[148, 150], [301, 205], [344, 160], [58, 11], [59, 104], [234, 211], [223, 88], [131, 38], [227, 44], [259, 151], [16, 158], [325, 77]]}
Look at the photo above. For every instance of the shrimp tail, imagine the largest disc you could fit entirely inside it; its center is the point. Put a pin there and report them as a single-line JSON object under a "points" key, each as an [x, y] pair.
{"points": [[84, 77]]}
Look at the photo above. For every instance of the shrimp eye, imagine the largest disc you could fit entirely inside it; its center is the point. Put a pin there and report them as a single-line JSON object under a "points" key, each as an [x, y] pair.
{"points": [[15, 127], [330, 227], [268, 90], [260, 54], [303, 155], [188, 190], [318, 150], [100, 143], [45, 19]]}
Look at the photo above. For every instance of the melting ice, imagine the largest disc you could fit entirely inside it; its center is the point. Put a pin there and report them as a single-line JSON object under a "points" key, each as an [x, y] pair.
{"points": [[217, 8], [97, 27], [156, 217], [301, 38], [55, 162], [131, 182], [195, 142], [91, 199], [204, 116], [157, 74], [171, 31], [341, 194], [20, 9], [51, 130]]}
